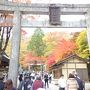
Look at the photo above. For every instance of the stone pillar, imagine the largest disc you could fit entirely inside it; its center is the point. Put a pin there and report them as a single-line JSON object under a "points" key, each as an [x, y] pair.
{"points": [[3, 1], [88, 27], [15, 48]]}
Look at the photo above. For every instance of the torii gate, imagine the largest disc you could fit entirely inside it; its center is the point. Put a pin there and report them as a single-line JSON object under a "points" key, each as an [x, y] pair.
{"points": [[17, 9]]}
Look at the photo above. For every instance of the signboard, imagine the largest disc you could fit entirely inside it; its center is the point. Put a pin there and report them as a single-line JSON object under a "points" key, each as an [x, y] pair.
{"points": [[54, 14]]}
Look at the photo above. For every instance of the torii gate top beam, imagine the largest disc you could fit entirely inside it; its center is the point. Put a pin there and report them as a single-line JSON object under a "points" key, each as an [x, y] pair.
{"points": [[43, 9], [66, 9]]}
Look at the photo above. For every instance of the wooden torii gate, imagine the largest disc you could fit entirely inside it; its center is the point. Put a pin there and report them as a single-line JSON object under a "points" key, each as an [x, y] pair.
{"points": [[18, 9]]}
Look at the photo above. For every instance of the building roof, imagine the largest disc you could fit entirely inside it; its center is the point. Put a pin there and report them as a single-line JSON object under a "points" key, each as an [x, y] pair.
{"points": [[4, 59], [67, 58]]}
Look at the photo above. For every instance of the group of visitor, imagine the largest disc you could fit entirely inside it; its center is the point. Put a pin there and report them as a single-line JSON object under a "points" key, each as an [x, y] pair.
{"points": [[27, 81], [37, 82], [34, 81], [72, 83]]}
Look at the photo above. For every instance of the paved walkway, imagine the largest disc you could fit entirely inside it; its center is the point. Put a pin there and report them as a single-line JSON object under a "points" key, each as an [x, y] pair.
{"points": [[87, 86], [54, 86]]}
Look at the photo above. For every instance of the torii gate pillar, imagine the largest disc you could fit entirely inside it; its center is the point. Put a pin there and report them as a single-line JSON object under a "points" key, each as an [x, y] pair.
{"points": [[3, 1], [88, 27], [15, 48]]}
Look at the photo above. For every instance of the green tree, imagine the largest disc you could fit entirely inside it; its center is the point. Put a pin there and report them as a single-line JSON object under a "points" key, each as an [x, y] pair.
{"points": [[82, 45], [36, 44]]}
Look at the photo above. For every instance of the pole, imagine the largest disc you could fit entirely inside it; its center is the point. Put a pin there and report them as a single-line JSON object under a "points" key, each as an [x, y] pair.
{"points": [[15, 48], [88, 27]]}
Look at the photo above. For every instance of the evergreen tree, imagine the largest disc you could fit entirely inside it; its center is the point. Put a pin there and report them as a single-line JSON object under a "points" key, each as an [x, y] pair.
{"points": [[36, 44]]}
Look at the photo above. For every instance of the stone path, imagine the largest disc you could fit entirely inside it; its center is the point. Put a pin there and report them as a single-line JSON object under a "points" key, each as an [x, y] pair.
{"points": [[52, 86]]}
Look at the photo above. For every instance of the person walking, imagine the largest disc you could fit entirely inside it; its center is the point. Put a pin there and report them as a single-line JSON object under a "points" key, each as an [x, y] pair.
{"points": [[26, 84], [80, 82], [72, 83], [46, 80], [9, 85], [20, 77], [49, 78], [62, 83], [1, 83], [38, 83]]}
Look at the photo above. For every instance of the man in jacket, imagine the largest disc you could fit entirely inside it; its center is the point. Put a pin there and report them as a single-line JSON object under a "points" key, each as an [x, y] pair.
{"points": [[80, 82], [62, 83]]}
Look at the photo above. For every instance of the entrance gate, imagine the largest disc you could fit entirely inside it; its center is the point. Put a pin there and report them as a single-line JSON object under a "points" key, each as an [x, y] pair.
{"points": [[18, 9]]}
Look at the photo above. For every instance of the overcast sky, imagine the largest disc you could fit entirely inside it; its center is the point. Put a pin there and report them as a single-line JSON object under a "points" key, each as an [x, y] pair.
{"points": [[60, 1]]}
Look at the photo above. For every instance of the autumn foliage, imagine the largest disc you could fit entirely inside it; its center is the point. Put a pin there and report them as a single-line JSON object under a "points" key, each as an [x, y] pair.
{"points": [[58, 47], [63, 48], [51, 60], [30, 58], [22, 1]]}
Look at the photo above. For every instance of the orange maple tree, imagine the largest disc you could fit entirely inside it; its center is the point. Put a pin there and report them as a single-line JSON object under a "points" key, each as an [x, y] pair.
{"points": [[63, 48], [51, 60], [30, 58]]}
